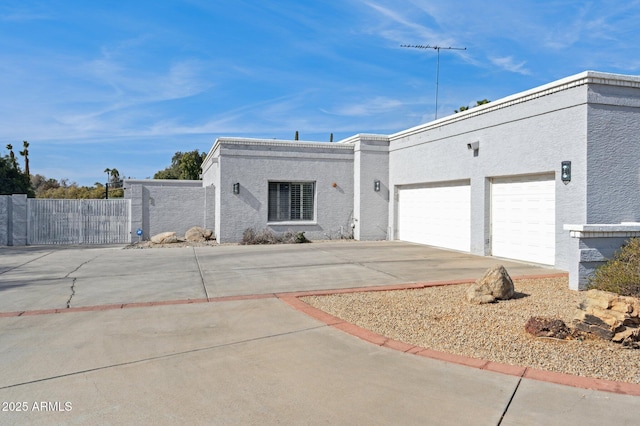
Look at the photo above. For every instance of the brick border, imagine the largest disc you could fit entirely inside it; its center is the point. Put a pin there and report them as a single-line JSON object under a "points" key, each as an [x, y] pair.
{"points": [[292, 299]]}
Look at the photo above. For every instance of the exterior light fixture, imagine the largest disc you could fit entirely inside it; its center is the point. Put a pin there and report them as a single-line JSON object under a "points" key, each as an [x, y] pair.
{"points": [[376, 185], [236, 188], [566, 172]]}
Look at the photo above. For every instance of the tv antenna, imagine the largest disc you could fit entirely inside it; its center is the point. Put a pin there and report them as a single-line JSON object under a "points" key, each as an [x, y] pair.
{"points": [[438, 49]]}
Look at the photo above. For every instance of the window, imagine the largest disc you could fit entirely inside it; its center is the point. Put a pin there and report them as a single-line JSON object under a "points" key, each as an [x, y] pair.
{"points": [[290, 201]]}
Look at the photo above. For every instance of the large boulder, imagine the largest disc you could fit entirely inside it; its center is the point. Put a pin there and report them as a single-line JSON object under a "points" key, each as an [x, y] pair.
{"points": [[609, 316], [164, 238], [198, 234], [495, 284]]}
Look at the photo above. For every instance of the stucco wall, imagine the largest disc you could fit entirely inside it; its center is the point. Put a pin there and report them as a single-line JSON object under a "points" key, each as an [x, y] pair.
{"points": [[613, 182], [5, 219], [253, 164], [529, 134], [13, 220], [371, 208], [169, 206]]}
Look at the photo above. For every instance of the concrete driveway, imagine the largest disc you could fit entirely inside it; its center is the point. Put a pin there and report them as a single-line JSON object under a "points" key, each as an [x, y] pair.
{"points": [[196, 335]]}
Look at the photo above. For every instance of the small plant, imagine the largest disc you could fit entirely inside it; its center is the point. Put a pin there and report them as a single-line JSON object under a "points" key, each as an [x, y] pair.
{"points": [[620, 275], [300, 238]]}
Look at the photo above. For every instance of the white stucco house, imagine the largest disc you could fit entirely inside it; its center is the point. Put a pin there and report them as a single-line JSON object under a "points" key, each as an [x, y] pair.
{"points": [[550, 176]]}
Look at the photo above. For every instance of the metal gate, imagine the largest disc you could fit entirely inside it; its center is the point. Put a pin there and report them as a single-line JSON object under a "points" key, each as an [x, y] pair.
{"points": [[78, 221]]}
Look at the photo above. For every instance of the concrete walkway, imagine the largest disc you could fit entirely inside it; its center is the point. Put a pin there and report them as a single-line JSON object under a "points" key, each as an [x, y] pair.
{"points": [[137, 342]]}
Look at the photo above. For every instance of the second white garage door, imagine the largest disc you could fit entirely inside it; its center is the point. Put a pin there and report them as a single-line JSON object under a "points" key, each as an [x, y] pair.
{"points": [[523, 217], [437, 215]]}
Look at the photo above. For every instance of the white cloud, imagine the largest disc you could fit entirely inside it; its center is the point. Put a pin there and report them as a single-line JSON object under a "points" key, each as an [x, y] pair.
{"points": [[507, 63], [364, 108]]}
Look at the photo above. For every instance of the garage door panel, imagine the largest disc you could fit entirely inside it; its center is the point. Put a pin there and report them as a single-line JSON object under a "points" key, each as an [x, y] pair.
{"points": [[523, 218], [435, 215]]}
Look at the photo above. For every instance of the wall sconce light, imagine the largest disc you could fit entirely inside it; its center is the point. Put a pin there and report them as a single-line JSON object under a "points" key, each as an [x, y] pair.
{"points": [[566, 172], [236, 188], [376, 185], [473, 145]]}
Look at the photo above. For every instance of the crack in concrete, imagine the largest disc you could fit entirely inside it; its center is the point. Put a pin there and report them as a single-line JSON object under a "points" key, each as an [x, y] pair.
{"points": [[81, 265], [74, 279], [73, 292]]}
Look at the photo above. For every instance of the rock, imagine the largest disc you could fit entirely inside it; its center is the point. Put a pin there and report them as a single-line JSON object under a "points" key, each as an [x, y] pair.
{"points": [[198, 234], [628, 333], [630, 339], [547, 327], [164, 238], [495, 284], [601, 332], [195, 234], [610, 316]]}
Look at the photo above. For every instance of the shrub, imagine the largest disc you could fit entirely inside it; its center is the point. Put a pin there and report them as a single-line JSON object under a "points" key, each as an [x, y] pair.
{"points": [[266, 236], [300, 238], [621, 274]]}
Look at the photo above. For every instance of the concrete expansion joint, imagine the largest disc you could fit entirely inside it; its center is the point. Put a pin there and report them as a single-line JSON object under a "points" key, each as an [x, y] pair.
{"points": [[513, 394], [204, 286], [25, 263]]}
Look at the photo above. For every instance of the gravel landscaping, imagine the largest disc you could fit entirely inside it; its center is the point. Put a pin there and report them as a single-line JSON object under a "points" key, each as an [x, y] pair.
{"points": [[439, 318]]}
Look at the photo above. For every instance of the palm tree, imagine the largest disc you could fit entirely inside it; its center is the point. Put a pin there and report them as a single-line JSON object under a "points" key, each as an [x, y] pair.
{"points": [[12, 156], [106, 194], [115, 175], [25, 154]]}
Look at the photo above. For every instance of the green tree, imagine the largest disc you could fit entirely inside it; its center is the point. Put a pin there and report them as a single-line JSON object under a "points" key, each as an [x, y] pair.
{"points": [[64, 190], [41, 184], [12, 180], [184, 165], [478, 103], [114, 180], [191, 165]]}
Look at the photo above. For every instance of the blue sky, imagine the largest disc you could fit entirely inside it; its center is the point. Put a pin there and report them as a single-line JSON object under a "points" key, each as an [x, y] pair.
{"points": [[125, 84]]}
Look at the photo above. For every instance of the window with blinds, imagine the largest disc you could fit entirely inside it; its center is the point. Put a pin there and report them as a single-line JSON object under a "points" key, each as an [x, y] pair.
{"points": [[291, 201]]}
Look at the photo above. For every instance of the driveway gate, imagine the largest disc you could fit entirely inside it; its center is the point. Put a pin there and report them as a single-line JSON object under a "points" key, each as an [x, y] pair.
{"points": [[78, 221]]}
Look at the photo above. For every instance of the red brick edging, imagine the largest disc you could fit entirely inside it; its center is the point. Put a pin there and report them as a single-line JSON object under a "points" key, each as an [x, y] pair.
{"points": [[292, 299]]}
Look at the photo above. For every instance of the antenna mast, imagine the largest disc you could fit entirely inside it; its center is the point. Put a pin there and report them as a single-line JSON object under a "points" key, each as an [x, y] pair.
{"points": [[438, 49]]}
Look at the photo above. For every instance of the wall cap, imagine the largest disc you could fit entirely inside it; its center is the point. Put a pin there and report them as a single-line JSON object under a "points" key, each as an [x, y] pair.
{"points": [[603, 230], [581, 79]]}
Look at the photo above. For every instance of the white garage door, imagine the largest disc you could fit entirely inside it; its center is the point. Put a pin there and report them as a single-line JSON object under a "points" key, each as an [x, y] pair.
{"points": [[437, 215], [523, 218]]}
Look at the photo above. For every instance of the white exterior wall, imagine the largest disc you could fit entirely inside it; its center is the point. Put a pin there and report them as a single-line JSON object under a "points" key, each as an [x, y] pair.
{"points": [[210, 170], [371, 208], [613, 166], [529, 133], [254, 163], [169, 206]]}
